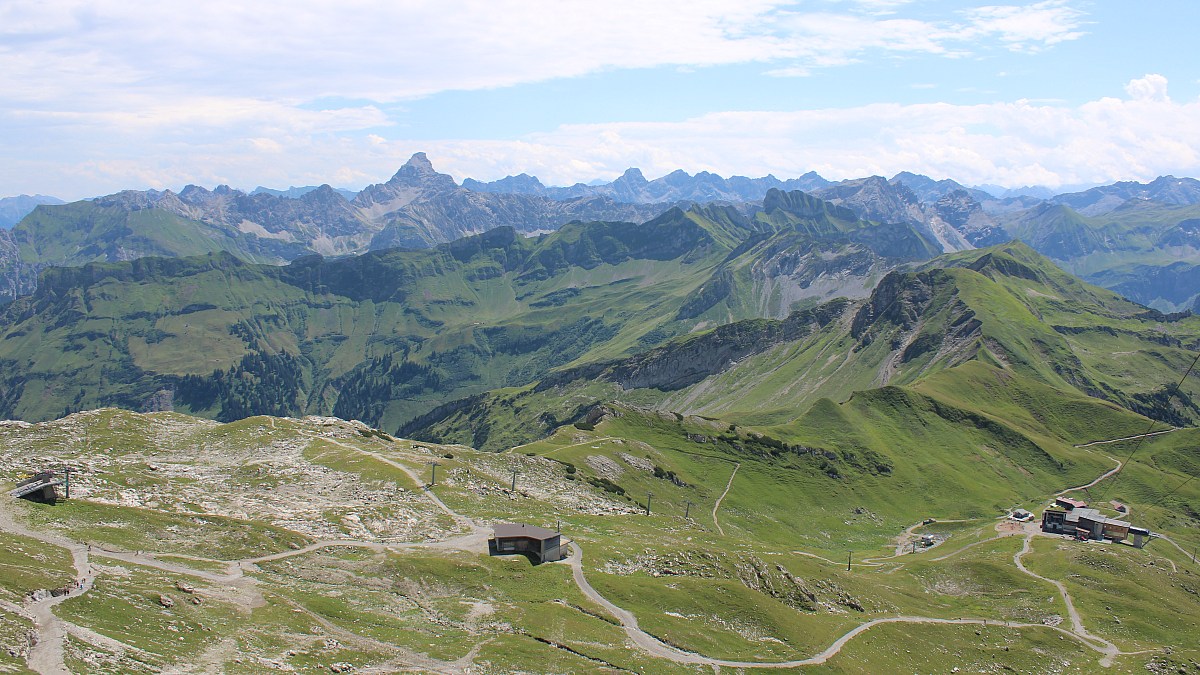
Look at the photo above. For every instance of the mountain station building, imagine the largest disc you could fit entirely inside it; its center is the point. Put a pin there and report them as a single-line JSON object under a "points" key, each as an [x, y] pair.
{"points": [[1091, 524], [542, 544]]}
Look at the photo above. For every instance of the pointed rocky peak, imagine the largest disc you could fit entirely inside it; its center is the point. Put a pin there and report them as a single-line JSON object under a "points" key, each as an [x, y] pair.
{"points": [[418, 171], [632, 177], [416, 177], [631, 187], [420, 162], [175, 203]]}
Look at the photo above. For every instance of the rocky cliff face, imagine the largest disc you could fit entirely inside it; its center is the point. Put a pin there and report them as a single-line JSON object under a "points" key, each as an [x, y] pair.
{"points": [[13, 282], [882, 201], [964, 214]]}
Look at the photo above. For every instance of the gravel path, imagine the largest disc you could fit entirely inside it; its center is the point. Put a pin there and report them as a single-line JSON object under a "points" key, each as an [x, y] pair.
{"points": [[720, 499], [656, 647], [1099, 644], [46, 654], [1127, 438]]}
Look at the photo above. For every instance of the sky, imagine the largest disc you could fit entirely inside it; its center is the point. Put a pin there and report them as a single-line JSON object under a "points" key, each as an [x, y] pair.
{"points": [[98, 96]]}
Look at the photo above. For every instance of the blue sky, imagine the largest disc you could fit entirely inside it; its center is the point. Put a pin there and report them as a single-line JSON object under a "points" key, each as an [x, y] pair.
{"points": [[105, 95]]}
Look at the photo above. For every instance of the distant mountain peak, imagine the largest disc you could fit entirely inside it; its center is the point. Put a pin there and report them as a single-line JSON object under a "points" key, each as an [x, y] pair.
{"points": [[632, 175], [418, 169], [417, 172], [420, 161], [521, 183], [13, 209]]}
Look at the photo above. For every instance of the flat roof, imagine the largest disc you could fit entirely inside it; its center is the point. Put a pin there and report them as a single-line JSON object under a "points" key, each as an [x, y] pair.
{"points": [[511, 530], [1096, 517]]}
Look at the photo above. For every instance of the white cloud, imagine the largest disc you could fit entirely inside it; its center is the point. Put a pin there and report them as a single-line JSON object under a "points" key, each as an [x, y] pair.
{"points": [[1016, 143], [162, 94], [1149, 88], [1027, 27], [391, 50]]}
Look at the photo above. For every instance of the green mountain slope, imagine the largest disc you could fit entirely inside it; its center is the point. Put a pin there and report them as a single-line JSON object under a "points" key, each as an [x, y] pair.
{"points": [[1005, 306], [1145, 250], [381, 337]]}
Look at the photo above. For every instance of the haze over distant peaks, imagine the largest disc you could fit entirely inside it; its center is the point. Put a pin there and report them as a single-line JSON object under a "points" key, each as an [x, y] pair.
{"points": [[13, 209], [294, 192], [632, 186]]}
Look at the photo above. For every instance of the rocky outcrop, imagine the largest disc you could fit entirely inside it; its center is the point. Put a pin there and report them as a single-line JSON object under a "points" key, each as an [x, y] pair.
{"points": [[881, 201], [900, 300], [965, 215]]}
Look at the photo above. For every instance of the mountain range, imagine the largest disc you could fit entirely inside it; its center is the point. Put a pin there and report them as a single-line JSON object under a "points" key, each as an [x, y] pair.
{"points": [[1127, 236], [390, 334]]}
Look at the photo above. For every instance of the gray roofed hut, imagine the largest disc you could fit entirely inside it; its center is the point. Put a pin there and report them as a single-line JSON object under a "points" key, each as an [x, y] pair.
{"points": [[537, 542], [43, 487]]}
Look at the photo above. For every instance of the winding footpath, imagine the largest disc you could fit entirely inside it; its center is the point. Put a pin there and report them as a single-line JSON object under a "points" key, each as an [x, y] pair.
{"points": [[720, 499], [1099, 644], [1092, 484], [656, 647], [1127, 438], [46, 654]]}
